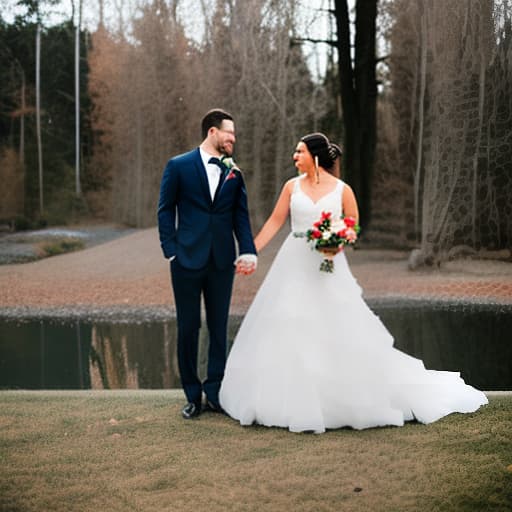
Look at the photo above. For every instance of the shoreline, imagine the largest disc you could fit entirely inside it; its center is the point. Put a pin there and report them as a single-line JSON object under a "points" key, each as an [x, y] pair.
{"points": [[116, 313]]}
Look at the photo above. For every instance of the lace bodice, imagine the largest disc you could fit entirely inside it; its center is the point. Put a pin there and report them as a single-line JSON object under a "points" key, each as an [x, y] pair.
{"points": [[304, 211]]}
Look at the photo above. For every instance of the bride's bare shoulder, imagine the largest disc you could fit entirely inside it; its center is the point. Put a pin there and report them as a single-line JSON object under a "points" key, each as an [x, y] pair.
{"points": [[347, 189], [290, 184]]}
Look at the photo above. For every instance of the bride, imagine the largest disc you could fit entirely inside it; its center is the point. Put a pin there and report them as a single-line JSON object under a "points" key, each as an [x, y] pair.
{"points": [[310, 355]]}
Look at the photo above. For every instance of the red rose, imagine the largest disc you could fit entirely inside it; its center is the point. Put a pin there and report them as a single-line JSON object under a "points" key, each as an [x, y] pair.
{"points": [[326, 215], [317, 224], [350, 222], [342, 233], [316, 234]]}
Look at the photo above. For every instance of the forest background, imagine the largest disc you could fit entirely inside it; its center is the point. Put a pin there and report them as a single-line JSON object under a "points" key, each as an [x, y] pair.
{"points": [[441, 179]]}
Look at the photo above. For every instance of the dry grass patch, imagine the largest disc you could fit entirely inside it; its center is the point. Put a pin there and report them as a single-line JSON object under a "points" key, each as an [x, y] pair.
{"points": [[83, 451], [61, 246]]}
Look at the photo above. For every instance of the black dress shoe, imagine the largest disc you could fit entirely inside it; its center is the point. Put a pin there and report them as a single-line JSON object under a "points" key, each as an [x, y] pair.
{"points": [[213, 407], [191, 410]]}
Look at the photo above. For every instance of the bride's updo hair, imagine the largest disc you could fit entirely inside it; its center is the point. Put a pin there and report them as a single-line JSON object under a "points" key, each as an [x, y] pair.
{"points": [[335, 170], [318, 145]]}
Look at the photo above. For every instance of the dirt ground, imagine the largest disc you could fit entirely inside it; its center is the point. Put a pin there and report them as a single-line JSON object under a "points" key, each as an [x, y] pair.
{"points": [[130, 271]]}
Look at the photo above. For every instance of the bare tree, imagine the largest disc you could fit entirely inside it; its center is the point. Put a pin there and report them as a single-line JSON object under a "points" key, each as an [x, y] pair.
{"points": [[452, 90], [77, 95], [151, 91], [23, 102], [270, 87]]}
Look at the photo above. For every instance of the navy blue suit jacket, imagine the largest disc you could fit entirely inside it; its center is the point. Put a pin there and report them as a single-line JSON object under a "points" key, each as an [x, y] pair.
{"points": [[192, 226]]}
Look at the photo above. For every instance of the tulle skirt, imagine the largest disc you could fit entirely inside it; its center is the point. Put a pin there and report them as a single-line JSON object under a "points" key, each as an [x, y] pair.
{"points": [[310, 355]]}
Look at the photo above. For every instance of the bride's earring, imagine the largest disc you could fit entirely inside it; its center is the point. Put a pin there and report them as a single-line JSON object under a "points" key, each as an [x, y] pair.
{"points": [[317, 173]]}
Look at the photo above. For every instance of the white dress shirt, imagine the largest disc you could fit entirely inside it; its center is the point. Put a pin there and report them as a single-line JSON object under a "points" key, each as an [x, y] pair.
{"points": [[213, 171]]}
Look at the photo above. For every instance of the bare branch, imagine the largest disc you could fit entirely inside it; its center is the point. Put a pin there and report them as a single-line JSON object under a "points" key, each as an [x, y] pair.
{"points": [[299, 40]]}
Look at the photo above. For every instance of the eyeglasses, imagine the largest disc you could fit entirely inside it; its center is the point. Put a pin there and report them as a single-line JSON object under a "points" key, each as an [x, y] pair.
{"points": [[231, 132]]}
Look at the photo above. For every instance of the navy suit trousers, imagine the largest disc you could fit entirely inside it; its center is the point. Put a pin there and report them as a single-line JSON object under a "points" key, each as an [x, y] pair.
{"points": [[215, 286]]}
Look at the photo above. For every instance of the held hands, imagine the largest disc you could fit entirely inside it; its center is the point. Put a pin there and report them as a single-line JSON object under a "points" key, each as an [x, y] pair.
{"points": [[246, 264]]}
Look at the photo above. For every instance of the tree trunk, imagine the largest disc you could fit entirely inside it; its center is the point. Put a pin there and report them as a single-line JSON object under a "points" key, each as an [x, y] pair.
{"points": [[421, 120], [22, 119], [102, 13], [359, 98], [138, 170], [77, 101], [38, 117]]}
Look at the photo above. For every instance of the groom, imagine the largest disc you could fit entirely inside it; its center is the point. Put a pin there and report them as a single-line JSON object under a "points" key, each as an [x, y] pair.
{"points": [[203, 203]]}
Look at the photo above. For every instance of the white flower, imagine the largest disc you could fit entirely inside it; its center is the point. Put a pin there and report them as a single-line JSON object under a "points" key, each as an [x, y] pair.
{"points": [[326, 235], [338, 225], [228, 162]]}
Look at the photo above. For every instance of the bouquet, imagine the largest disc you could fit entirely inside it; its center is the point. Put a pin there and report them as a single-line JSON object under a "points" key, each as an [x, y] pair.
{"points": [[329, 236]]}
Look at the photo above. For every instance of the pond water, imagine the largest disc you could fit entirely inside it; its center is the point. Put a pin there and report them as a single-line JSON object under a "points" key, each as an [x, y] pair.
{"points": [[83, 354]]}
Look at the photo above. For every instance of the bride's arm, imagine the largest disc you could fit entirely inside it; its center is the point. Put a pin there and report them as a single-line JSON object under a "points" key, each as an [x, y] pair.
{"points": [[276, 219], [349, 203]]}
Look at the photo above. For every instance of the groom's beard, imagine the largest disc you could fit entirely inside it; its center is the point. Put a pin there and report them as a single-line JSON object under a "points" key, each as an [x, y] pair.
{"points": [[225, 149]]}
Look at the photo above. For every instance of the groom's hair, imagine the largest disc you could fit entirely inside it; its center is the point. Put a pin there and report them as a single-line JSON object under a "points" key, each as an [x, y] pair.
{"points": [[214, 118]]}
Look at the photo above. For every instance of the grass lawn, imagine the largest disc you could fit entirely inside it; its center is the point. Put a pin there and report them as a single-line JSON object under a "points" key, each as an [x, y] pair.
{"points": [[130, 450]]}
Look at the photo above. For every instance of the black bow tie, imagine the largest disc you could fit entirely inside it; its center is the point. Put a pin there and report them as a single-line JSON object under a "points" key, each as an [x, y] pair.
{"points": [[219, 163]]}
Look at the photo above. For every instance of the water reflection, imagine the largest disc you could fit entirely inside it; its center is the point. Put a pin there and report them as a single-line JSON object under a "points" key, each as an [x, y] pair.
{"points": [[132, 356], [46, 354]]}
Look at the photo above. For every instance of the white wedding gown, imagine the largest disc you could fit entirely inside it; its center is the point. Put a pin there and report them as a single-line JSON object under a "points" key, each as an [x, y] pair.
{"points": [[310, 355]]}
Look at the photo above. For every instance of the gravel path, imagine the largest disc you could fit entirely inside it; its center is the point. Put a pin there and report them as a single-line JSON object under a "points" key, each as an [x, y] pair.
{"points": [[128, 276]]}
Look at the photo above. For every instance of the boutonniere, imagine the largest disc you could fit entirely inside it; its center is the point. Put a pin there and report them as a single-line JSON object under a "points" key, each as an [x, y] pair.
{"points": [[230, 166]]}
